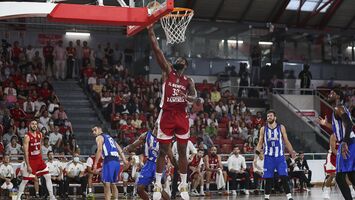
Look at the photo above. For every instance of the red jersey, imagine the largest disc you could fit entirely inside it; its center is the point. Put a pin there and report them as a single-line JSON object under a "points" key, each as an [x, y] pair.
{"points": [[213, 162], [195, 161], [34, 146], [48, 51], [172, 89]]}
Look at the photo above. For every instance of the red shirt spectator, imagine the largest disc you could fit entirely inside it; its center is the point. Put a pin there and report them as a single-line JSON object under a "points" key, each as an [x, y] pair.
{"points": [[15, 52], [88, 71], [48, 50], [258, 119], [17, 113]]}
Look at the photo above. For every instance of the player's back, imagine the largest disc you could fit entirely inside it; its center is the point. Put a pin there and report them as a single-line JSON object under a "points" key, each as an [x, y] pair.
{"points": [[273, 141], [172, 90], [34, 146], [151, 147], [339, 127], [109, 147]]}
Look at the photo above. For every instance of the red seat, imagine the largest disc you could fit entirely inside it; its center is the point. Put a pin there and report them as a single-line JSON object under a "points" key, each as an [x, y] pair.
{"points": [[226, 148]]}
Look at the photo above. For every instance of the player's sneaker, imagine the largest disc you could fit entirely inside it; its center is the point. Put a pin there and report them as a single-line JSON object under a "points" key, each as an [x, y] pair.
{"points": [[202, 193], [52, 198], [194, 193], [157, 192], [167, 190], [184, 191]]}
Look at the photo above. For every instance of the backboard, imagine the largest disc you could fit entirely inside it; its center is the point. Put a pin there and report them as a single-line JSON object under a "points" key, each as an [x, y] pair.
{"points": [[161, 8]]}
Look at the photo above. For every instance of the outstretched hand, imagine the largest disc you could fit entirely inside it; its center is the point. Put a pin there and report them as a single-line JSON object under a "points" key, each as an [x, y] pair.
{"points": [[322, 121]]}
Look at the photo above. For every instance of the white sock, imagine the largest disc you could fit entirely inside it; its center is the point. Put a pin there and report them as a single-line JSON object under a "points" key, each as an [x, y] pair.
{"points": [[158, 179], [201, 188], [183, 178], [207, 186], [90, 190], [125, 189], [49, 184], [21, 188], [267, 196], [289, 196]]}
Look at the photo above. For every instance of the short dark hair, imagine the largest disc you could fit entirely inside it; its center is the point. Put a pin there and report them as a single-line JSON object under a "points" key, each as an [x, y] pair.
{"points": [[49, 152], [271, 111], [96, 125], [339, 92]]}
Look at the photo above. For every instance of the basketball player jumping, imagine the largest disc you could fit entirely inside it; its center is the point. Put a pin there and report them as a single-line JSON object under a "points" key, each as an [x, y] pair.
{"points": [[33, 159], [343, 129], [110, 151], [178, 90], [272, 138]]}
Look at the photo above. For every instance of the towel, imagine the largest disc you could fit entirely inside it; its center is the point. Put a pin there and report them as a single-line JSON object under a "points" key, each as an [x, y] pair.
{"points": [[220, 179]]}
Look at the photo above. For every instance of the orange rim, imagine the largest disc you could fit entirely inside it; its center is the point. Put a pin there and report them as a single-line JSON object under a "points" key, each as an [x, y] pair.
{"points": [[177, 12]]}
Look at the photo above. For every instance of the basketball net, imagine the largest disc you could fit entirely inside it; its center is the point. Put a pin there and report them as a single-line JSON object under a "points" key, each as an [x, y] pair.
{"points": [[175, 24]]}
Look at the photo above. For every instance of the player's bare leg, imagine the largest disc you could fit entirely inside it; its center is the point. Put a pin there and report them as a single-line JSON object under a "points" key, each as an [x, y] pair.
{"points": [[107, 191], [114, 191], [160, 162], [183, 187]]}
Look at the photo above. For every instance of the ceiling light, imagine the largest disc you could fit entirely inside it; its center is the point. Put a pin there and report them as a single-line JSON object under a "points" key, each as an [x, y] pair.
{"points": [[79, 34]]}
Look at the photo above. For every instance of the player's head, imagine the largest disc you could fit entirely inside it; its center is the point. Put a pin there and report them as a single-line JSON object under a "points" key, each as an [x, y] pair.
{"points": [[33, 125], [271, 116], [301, 155], [200, 153], [335, 95], [96, 130], [180, 64], [213, 151]]}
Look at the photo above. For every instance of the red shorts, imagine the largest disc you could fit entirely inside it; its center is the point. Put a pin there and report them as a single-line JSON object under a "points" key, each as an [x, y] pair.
{"points": [[330, 165], [170, 123], [39, 168]]}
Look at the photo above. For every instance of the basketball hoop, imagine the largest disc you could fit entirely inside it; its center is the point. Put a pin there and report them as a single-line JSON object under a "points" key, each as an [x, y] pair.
{"points": [[175, 24]]}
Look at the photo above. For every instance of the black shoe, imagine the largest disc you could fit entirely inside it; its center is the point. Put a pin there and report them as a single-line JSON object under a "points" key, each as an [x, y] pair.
{"points": [[266, 199]]}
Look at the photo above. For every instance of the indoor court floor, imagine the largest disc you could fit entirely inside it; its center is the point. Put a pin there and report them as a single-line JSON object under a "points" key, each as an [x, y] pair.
{"points": [[315, 193]]}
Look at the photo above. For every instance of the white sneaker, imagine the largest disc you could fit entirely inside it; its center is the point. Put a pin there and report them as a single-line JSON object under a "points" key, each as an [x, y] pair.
{"points": [[234, 193], [184, 191], [194, 193], [202, 193], [52, 198], [157, 192], [326, 193], [167, 190], [246, 192]]}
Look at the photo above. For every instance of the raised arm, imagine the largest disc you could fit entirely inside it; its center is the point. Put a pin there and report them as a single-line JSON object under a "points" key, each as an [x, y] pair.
{"points": [[287, 142], [164, 64]]}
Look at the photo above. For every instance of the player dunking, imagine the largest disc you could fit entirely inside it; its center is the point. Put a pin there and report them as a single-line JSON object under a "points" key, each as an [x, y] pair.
{"points": [[33, 159], [173, 118], [110, 151], [272, 138], [343, 129]]}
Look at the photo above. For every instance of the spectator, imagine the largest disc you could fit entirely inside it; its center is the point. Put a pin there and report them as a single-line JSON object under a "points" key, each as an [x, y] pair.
{"points": [[55, 169], [17, 113], [14, 148], [93, 176], [55, 138], [29, 106], [197, 106], [7, 175], [214, 167], [215, 95], [15, 52], [244, 78], [99, 56], [22, 130], [48, 58], [44, 120], [8, 136], [306, 76], [86, 53], [237, 168], [37, 61], [59, 59], [294, 165], [30, 53], [76, 174], [304, 166], [71, 54], [53, 106], [136, 122], [31, 78], [78, 58], [59, 116], [11, 88], [46, 147], [258, 169]]}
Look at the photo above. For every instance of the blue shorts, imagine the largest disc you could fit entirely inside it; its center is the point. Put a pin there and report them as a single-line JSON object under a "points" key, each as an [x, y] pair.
{"points": [[147, 174], [275, 163], [110, 170], [348, 164]]}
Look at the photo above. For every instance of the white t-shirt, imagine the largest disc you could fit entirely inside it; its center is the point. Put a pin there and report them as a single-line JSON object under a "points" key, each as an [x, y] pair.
{"points": [[92, 80], [89, 162], [54, 167], [59, 53], [260, 164], [13, 150], [22, 132], [53, 138], [190, 149], [45, 150], [7, 171], [236, 163], [39, 104], [74, 170]]}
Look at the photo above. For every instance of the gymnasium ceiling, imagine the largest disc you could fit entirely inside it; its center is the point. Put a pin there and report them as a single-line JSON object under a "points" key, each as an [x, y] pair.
{"points": [[336, 17]]}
